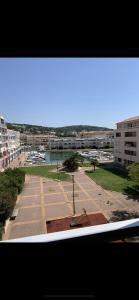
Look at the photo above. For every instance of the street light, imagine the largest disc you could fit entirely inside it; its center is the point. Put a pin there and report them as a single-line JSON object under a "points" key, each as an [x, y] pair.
{"points": [[73, 196]]}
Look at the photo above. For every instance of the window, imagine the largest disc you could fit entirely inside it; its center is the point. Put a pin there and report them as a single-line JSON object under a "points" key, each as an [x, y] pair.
{"points": [[119, 159], [131, 144], [119, 126], [130, 133], [130, 152], [118, 134]]}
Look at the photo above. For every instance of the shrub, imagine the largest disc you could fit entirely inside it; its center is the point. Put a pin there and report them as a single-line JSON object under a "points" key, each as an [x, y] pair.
{"points": [[7, 203], [1, 230], [133, 172], [11, 183], [17, 178], [71, 164]]}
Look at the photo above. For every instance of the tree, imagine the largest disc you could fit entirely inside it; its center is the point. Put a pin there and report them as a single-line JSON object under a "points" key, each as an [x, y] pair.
{"points": [[79, 157], [133, 172], [94, 162], [7, 203], [71, 164], [11, 183]]}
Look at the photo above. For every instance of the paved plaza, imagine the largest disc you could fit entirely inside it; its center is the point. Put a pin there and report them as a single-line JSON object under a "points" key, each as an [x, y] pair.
{"points": [[44, 199]]}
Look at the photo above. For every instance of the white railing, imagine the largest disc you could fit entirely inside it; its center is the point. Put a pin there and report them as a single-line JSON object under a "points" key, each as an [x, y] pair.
{"points": [[80, 232]]}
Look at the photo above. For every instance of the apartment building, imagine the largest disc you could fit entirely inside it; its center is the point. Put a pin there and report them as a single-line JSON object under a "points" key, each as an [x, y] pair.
{"points": [[97, 134], [79, 143], [3, 144], [35, 139], [126, 141], [9, 145], [14, 148]]}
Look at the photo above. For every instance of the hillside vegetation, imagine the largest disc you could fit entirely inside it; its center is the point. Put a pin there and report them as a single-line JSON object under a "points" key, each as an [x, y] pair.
{"points": [[60, 131]]}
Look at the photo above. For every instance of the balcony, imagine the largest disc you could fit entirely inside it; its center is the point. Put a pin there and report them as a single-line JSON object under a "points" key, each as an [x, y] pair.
{"points": [[100, 233]]}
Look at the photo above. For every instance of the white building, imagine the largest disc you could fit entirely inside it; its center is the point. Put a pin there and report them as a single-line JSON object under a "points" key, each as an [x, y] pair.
{"points": [[126, 141], [14, 148], [79, 143], [9, 145], [3, 144]]}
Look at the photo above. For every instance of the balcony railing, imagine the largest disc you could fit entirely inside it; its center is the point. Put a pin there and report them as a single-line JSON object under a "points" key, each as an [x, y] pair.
{"points": [[99, 233]]}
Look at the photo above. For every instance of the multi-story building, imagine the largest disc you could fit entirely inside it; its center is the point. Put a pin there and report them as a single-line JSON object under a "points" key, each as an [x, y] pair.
{"points": [[126, 141], [14, 148], [79, 143], [35, 139], [9, 145], [97, 134], [3, 144]]}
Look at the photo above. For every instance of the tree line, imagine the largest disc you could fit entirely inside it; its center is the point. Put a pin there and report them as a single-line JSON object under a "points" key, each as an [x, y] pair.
{"points": [[60, 131]]}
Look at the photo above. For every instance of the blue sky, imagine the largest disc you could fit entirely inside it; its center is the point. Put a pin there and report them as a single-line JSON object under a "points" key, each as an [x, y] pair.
{"points": [[69, 91]]}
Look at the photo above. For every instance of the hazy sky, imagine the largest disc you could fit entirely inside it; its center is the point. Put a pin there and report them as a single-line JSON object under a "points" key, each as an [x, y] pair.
{"points": [[69, 91]]}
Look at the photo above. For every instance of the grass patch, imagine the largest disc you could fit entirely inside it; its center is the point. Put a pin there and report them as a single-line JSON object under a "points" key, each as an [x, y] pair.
{"points": [[114, 180], [86, 164], [46, 171]]}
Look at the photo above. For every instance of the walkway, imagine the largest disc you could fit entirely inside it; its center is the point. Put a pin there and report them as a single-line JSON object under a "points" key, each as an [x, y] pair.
{"points": [[43, 199]]}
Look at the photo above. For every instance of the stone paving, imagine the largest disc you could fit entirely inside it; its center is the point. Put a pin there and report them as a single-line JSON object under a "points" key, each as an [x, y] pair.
{"points": [[44, 199]]}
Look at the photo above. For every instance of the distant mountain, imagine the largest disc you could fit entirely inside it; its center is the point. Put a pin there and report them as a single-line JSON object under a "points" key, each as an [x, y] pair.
{"points": [[60, 131]]}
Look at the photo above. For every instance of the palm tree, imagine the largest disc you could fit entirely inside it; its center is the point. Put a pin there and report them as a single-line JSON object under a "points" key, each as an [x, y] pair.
{"points": [[94, 162]]}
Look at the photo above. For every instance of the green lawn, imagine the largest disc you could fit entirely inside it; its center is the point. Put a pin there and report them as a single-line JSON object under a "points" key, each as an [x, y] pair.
{"points": [[45, 171], [114, 180], [86, 164]]}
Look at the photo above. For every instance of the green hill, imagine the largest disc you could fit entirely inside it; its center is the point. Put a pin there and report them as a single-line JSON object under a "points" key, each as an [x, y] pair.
{"points": [[63, 131]]}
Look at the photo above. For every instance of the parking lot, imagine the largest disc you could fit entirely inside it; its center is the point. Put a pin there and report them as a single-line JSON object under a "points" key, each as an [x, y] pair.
{"points": [[43, 199]]}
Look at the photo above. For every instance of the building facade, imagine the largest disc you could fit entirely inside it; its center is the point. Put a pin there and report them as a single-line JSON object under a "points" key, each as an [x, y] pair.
{"points": [[35, 139], [9, 145], [79, 143], [97, 134], [14, 148], [3, 144], [126, 141]]}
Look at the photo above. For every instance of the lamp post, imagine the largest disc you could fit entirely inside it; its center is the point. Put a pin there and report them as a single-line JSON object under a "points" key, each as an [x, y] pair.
{"points": [[73, 196], [57, 166]]}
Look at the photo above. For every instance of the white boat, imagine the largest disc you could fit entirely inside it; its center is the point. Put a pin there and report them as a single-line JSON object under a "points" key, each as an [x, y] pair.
{"points": [[33, 152], [41, 155]]}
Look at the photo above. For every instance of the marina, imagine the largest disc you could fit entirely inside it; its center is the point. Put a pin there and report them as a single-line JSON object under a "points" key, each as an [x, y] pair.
{"points": [[57, 157]]}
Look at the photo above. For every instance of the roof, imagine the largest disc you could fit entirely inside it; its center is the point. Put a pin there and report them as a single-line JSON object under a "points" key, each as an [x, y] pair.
{"points": [[130, 119]]}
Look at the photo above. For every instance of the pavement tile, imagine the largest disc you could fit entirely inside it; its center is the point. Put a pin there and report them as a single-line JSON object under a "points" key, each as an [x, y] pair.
{"points": [[87, 186], [23, 230], [70, 187], [28, 214], [97, 193], [30, 192], [50, 183], [32, 184], [59, 210], [77, 195], [52, 189], [28, 201], [88, 205], [54, 198]]}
